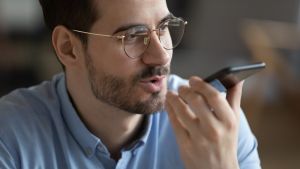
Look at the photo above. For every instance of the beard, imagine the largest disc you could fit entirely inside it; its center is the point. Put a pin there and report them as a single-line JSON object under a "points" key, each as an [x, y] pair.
{"points": [[119, 93]]}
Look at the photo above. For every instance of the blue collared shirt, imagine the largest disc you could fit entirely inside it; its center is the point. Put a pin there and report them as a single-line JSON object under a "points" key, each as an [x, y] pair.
{"points": [[40, 129]]}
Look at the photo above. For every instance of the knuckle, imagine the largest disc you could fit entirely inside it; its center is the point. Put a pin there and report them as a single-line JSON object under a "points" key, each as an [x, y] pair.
{"points": [[231, 125], [215, 135], [216, 96], [193, 98], [194, 102], [196, 121], [184, 108], [186, 94]]}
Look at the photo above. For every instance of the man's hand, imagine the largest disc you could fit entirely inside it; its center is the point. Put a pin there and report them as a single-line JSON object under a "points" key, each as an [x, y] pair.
{"points": [[206, 124]]}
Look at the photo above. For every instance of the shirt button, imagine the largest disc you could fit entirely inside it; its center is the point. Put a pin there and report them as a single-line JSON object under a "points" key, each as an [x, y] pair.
{"points": [[134, 152], [88, 151]]}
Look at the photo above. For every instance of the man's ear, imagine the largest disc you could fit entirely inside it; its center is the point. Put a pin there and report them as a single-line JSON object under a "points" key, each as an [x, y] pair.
{"points": [[66, 45]]}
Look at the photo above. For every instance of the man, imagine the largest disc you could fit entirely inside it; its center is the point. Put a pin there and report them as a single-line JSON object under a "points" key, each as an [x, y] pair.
{"points": [[107, 109]]}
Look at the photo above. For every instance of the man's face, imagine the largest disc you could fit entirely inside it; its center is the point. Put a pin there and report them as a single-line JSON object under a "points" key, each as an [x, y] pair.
{"points": [[134, 85]]}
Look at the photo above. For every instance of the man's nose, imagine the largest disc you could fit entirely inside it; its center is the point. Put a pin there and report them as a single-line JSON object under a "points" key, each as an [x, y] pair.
{"points": [[156, 54]]}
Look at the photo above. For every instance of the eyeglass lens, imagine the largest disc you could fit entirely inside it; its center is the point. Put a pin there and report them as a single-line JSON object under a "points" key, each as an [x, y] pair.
{"points": [[137, 39]]}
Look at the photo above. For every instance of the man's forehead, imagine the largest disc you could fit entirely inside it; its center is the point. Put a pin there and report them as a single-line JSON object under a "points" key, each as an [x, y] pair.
{"points": [[131, 8], [117, 13], [128, 1]]}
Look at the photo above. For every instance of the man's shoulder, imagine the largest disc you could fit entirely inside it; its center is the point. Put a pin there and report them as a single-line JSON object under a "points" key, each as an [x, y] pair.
{"points": [[25, 105]]}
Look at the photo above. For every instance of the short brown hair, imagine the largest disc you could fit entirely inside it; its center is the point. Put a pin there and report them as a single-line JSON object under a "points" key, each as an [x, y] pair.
{"points": [[73, 14]]}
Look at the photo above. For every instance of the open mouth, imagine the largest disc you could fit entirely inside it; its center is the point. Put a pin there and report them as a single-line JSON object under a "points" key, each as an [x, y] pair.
{"points": [[152, 84], [154, 81]]}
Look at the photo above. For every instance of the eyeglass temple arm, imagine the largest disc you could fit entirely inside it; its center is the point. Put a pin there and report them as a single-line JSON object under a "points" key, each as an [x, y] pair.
{"points": [[97, 34]]}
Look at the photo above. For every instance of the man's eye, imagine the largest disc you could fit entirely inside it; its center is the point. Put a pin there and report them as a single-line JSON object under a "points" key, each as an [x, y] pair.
{"points": [[164, 26], [136, 32], [164, 29], [130, 36]]}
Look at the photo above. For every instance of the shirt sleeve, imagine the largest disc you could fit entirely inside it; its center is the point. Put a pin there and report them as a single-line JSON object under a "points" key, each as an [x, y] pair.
{"points": [[6, 160], [247, 146]]}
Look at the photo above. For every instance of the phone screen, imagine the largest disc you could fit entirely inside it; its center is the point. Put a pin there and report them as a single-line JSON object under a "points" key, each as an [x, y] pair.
{"points": [[230, 76]]}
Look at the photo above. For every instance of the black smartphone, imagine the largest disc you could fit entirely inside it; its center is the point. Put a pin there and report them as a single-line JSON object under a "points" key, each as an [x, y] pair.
{"points": [[230, 76]]}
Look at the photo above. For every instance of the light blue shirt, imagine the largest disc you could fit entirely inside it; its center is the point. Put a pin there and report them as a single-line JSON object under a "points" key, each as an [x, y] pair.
{"points": [[40, 129]]}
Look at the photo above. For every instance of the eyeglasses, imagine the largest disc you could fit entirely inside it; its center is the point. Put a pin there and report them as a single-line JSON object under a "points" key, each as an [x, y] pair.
{"points": [[136, 40]]}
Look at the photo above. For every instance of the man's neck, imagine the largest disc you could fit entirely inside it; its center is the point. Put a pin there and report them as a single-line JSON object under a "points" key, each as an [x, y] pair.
{"points": [[116, 128]]}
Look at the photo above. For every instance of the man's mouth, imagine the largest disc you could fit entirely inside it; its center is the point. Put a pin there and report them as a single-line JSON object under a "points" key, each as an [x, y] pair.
{"points": [[152, 84]]}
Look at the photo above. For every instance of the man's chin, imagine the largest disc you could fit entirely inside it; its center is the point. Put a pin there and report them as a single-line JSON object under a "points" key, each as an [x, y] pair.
{"points": [[153, 95], [148, 103]]}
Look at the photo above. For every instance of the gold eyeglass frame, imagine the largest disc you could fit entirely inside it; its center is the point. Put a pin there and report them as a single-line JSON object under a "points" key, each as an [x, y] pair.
{"points": [[122, 37]]}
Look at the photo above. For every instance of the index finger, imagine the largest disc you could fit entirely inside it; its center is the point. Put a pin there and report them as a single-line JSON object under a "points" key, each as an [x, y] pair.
{"points": [[214, 98], [234, 96]]}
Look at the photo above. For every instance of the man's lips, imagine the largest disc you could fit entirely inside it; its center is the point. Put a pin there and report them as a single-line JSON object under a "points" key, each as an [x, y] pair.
{"points": [[152, 84]]}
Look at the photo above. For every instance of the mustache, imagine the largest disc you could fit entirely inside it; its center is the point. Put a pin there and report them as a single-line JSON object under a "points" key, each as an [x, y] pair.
{"points": [[153, 71]]}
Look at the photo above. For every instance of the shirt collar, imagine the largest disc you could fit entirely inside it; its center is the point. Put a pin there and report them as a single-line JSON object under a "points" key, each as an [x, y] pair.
{"points": [[82, 135], [143, 135], [147, 128]]}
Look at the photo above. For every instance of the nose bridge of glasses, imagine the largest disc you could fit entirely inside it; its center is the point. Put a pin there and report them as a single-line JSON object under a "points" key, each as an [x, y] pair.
{"points": [[156, 36], [156, 32], [147, 38]]}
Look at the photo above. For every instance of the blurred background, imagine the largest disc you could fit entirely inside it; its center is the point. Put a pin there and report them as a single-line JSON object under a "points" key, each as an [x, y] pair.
{"points": [[218, 34]]}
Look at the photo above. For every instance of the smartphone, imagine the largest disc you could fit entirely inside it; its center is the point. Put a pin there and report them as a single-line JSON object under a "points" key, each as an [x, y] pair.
{"points": [[230, 76]]}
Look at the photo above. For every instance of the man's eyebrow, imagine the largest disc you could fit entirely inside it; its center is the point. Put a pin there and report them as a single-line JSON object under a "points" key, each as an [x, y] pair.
{"points": [[128, 26], [125, 27], [169, 16]]}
